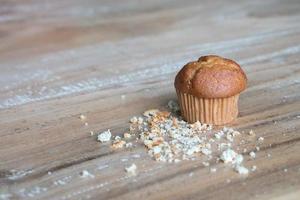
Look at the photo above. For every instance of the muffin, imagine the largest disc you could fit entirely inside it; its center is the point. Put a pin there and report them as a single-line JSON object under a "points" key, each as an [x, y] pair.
{"points": [[208, 90]]}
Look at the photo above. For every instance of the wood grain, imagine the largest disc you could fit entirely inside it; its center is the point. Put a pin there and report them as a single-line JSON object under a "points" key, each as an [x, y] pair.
{"points": [[110, 60]]}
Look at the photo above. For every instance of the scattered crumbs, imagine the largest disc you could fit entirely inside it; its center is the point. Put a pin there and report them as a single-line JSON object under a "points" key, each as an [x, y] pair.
{"points": [[260, 139], [86, 174], [252, 154], [91, 133], [191, 174], [213, 170], [86, 124], [104, 136], [82, 117], [257, 148], [285, 170], [241, 169], [123, 96], [251, 132], [131, 170], [269, 155], [253, 168], [168, 138]]}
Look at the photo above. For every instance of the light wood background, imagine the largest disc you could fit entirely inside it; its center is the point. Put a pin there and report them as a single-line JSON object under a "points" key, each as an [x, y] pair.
{"points": [[110, 60]]}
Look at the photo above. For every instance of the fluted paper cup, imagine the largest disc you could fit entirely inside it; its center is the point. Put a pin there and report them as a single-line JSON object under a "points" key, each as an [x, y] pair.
{"points": [[217, 111]]}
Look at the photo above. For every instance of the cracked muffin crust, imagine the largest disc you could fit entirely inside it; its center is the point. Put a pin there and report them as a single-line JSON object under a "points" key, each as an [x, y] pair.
{"points": [[211, 77], [208, 90]]}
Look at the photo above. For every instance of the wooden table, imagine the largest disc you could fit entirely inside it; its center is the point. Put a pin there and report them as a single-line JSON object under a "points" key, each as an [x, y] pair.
{"points": [[110, 60]]}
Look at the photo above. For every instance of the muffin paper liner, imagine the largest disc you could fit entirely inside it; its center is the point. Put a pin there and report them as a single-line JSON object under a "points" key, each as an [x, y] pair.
{"points": [[217, 111]]}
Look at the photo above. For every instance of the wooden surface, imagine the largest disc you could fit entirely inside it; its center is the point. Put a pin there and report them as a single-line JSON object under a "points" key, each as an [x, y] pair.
{"points": [[110, 60]]}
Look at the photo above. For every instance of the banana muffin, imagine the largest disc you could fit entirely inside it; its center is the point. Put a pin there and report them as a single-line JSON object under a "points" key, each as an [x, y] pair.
{"points": [[208, 90]]}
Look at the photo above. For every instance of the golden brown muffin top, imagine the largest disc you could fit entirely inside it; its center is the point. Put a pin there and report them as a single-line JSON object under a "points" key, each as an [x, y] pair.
{"points": [[211, 77]]}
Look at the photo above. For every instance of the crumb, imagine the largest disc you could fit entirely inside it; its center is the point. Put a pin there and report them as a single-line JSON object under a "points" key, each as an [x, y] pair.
{"points": [[86, 124], [134, 120], [228, 156], [128, 145], [285, 170], [260, 139], [140, 120], [49, 173], [206, 164], [123, 96], [241, 170], [176, 160], [191, 174], [86, 174], [252, 154], [269, 155], [131, 169], [251, 132], [104, 136], [206, 151], [228, 180], [213, 170], [91, 133], [127, 135], [117, 137], [257, 148], [245, 150], [149, 113], [253, 168], [117, 144], [82, 117]]}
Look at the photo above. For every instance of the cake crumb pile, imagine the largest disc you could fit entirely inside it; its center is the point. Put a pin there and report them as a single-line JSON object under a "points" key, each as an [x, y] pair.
{"points": [[168, 138]]}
